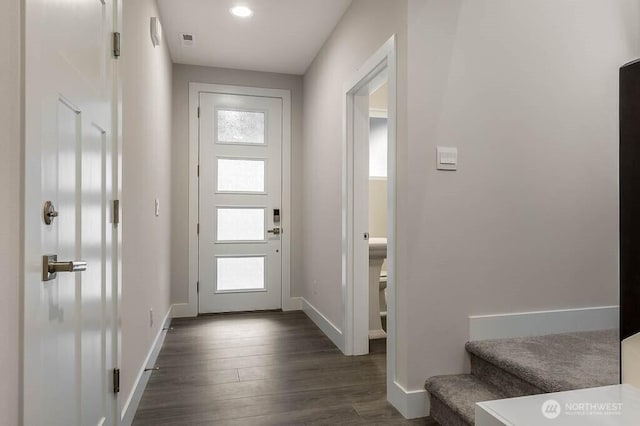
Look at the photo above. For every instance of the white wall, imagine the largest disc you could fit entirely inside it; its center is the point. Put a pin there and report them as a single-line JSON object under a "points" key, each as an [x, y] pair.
{"points": [[379, 99], [378, 208], [378, 146], [182, 76], [528, 92], [365, 27], [146, 248], [378, 137], [11, 211]]}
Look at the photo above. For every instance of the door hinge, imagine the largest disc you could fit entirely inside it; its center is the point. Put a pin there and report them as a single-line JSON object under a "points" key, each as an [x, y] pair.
{"points": [[198, 170], [116, 45], [198, 112], [116, 212], [198, 286], [116, 380], [198, 229]]}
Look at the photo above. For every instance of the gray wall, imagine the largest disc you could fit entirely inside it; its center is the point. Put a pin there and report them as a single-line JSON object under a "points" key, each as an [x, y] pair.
{"points": [[182, 76], [365, 27], [146, 246], [528, 92], [11, 212]]}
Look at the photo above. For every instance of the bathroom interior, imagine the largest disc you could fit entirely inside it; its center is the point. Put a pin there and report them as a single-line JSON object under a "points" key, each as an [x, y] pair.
{"points": [[378, 225]]}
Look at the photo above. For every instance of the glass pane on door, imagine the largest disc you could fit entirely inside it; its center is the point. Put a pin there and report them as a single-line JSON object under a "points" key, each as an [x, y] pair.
{"points": [[241, 175], [240, 224], [240, 273], [240, 127]]}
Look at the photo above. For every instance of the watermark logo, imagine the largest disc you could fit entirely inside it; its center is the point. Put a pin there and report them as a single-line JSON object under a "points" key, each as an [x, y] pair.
{"points": [[551, 409]]}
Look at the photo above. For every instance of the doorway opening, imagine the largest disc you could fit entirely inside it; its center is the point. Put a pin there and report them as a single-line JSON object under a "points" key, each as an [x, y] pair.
{"points": [[378, 214], [369, 207]]}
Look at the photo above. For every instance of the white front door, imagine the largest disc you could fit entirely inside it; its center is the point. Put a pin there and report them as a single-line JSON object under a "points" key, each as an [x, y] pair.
{"points": [[68, 281], [240, 257]]}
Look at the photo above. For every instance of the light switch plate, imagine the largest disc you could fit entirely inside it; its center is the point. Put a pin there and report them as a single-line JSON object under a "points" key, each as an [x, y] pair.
{"points": [[447, 158]]}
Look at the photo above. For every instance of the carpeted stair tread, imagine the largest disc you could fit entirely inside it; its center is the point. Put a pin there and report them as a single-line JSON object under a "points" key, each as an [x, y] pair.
{"points": [[460, 393], [557, 362]]}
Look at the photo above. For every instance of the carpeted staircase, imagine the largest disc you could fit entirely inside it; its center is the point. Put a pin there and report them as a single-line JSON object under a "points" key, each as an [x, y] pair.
{"points": [[508, 368]]}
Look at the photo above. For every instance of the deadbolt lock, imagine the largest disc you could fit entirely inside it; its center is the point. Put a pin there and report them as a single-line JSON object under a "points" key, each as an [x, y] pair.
{"points": [[49, 213]]}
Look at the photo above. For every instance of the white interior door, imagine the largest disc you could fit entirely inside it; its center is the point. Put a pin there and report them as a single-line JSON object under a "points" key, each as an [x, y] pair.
{"points": [[240, 250], [69, 324]]}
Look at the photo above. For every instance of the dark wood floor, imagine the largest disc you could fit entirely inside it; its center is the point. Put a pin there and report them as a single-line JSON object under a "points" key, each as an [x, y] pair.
{"points": [[270, 368]]}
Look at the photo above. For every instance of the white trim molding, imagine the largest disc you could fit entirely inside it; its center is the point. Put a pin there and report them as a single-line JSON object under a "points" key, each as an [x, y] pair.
{"points": [[539, 323], [132, 402], [380, 67], [292, 304], [378, 113], [411, 404], [288, 302], [182, 310], [323, 323]]}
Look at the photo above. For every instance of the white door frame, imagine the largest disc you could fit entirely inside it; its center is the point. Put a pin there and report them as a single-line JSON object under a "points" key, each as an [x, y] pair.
{"points": [[190, 309], [118, 19], [355, 285]]}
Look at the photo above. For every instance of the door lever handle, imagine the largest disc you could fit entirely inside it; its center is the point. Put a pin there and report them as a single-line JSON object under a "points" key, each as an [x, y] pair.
{"points": [[274, 231], [51, 266], [75, 266]]}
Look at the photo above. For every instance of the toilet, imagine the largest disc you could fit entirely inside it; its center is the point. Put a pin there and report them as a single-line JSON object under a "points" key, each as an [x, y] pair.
{"points": [[377, 301], [383, 294]]}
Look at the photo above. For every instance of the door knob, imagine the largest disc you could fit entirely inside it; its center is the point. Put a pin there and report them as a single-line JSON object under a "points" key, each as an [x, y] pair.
{"points": [[274, 231], [51, 266]]}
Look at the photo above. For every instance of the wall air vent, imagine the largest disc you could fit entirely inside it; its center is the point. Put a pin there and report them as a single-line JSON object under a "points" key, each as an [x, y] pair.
{"points": [[187, 40]]}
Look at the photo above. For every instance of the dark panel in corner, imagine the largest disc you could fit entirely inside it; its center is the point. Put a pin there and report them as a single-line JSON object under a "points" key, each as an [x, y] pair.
{"points": [[629, 200]]}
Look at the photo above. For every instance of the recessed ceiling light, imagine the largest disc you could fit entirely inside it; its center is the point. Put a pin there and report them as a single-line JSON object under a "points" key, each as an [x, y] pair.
{"points": [[241, 11]]}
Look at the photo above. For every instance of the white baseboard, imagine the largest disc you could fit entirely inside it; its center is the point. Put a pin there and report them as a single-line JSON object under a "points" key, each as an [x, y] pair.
{"points": [[183, 310], [377, 334], [130, 406], [525, 324], [292, 304], [411, 404], [324, 324]]}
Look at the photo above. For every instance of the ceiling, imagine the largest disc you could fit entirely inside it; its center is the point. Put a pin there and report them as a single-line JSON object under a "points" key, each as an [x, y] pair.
{"points": [[282, 35]]}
